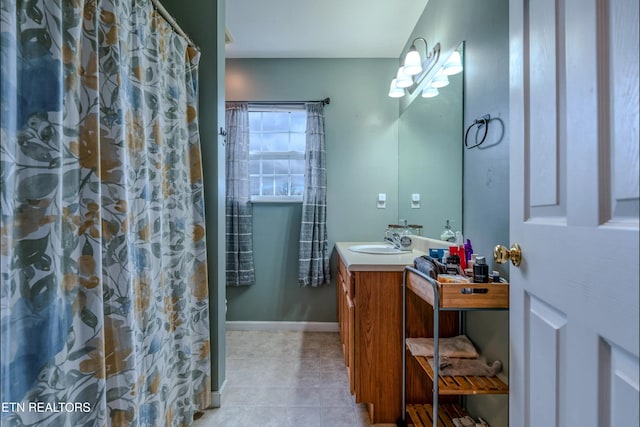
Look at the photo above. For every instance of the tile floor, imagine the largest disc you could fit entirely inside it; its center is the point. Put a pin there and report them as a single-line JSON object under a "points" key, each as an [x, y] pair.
{"points": [[284, 379]]}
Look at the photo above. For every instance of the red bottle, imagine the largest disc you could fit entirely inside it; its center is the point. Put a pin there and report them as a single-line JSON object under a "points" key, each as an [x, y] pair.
{"points": [[459, 251]]}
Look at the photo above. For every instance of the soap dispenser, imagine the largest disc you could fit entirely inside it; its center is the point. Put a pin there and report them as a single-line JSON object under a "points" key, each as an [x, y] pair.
{"points": [[405, 235], [448, 235]]}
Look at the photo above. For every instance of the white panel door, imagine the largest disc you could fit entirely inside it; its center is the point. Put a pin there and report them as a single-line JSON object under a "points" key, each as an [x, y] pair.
{"points": [[574, 210]]}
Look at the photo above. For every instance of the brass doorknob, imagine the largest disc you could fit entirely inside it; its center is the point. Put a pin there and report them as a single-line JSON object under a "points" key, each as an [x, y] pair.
{"points": [[501, 254]]}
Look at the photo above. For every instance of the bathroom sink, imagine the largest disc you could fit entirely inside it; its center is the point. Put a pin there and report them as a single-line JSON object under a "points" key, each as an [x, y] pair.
{"points": [[381, 249]]}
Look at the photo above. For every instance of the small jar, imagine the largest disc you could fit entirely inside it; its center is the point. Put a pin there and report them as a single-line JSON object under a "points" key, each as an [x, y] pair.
{"points": [[453, 264], [481, 270], [495, 276]]}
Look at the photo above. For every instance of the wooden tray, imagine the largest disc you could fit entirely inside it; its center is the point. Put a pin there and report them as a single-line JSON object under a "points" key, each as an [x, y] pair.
{"points": [[461, 295], [422, 415]]}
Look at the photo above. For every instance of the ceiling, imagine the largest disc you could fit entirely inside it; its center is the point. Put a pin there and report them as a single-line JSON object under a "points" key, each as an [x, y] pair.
{"points": [[320, 28]]}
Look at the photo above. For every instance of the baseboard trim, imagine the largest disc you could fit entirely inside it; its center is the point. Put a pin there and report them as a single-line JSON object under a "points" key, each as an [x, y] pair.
{"points": [[216, 396], [282, 326]]}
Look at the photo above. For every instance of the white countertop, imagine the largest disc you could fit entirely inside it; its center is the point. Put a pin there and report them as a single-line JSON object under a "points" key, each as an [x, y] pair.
{"points": [[356, 261]]}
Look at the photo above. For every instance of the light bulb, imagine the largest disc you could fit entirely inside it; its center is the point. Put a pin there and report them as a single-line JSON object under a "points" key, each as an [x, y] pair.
{"points": [[395, 91], [429, 92], [440, 80], [453, 64], [412, 62], [402, 79]]}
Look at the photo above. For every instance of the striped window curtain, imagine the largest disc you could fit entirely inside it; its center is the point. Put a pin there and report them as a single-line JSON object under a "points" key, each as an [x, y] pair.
{"points": [[314, 248], [239, 270]]}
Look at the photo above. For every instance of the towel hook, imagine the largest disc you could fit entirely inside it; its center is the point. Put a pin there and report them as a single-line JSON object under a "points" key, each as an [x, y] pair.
{"points": [[480, 122]]}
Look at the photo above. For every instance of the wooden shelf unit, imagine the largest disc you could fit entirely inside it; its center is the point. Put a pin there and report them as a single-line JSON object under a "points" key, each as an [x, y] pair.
{"points": [[449, 297]]}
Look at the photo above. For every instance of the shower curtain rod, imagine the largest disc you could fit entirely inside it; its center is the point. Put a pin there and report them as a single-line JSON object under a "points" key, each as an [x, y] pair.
{"points": [[163, 12], [325, 101]]}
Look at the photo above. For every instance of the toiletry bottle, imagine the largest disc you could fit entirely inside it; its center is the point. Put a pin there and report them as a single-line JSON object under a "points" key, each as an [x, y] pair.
{"points": [[453, 261], [405, 234], [470, 265], [448, 235], [495, 276], [468, 250], [436, 254], [461, 252], [481, 270], [453, 250], [459, 239]]}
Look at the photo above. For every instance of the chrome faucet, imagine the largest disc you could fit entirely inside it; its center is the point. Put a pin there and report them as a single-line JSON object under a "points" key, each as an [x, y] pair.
{"points": [[393, 237]]}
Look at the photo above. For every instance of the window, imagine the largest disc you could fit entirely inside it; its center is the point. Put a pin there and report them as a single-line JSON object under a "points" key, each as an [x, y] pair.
{"points": [[276, 152]]}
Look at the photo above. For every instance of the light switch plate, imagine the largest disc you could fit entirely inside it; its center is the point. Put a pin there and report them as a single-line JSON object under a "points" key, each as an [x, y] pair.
{"points": [[381, 203], [415, 201]]}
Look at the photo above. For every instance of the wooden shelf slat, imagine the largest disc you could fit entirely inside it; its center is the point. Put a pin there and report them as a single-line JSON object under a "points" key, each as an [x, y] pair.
{"points": [[422, 415], [464, 384]]}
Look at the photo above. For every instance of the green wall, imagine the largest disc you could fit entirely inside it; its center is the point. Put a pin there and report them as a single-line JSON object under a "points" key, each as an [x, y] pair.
{"points": [[362, 161], [484, 27], [203, 20]]}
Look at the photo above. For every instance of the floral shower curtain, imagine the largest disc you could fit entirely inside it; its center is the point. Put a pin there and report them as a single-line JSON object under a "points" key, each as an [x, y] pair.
{"points": [[104, 301]]}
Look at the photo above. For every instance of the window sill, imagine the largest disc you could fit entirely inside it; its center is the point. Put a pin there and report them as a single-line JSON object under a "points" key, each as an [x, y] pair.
{"points": [[275, 199]]}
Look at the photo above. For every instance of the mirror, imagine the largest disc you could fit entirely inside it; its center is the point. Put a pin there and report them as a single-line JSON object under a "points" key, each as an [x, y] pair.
{"points": [[430, 133]]}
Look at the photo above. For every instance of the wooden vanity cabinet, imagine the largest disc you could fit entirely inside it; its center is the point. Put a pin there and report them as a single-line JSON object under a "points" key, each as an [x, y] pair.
{"points": [[370, 320]]}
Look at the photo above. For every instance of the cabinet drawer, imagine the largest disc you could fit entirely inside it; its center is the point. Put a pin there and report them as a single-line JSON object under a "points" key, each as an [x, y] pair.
{"points": [[347, 279], [461, 295]]}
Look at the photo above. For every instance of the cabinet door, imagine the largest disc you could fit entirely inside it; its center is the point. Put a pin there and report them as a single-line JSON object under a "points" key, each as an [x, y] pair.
{"points": [[341, 301], [346, 321], [344, 324], [378, 343], [350, 317]]}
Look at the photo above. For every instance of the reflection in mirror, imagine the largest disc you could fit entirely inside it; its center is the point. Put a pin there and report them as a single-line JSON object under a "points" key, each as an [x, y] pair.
{"points": [[430, 133]]}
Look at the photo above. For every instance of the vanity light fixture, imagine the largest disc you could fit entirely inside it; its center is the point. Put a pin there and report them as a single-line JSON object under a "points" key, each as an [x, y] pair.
{"points": [[412, 73], [394, 90], [414, 69]]}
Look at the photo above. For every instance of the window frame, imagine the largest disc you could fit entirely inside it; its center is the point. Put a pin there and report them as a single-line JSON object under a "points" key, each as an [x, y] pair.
{"points": [[276, 155]]}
